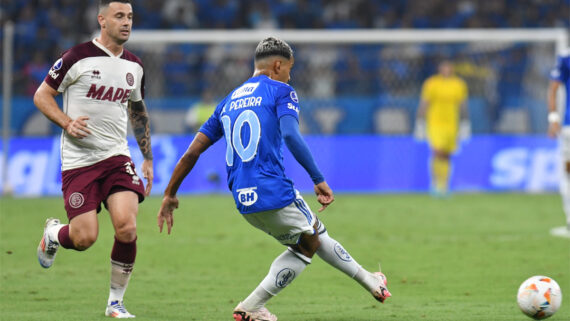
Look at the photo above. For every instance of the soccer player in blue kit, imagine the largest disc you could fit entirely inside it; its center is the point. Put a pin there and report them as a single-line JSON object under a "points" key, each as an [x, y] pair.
{"points": [[254, 119], [560, 127]]}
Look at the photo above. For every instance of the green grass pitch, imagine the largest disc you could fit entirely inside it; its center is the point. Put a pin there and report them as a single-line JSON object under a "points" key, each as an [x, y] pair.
{"points": [[461, 258]]}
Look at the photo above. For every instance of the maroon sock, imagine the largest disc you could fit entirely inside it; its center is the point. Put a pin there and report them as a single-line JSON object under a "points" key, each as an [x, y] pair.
{"points": [[63, 237], [124, 252]]}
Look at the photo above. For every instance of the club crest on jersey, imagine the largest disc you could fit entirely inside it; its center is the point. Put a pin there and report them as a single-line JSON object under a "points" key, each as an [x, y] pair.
{"points": [[247, 196], [76, 200], [294, 97], [56, 66], [130, 79], [245, 90]]}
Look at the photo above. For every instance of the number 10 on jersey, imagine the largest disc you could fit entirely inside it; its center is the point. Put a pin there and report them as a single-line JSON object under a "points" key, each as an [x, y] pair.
{"points": [[234, 138]]}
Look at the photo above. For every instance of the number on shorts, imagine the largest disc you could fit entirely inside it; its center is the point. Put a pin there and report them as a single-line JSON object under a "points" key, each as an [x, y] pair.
{"points": [[129, 169]]}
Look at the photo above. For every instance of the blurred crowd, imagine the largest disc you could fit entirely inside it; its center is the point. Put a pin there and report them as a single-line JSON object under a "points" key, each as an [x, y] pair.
{"points": [[45, 28]]}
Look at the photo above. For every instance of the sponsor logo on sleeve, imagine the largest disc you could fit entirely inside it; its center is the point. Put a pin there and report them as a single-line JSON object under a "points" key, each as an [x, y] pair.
{"points": [[293, 107], [294, 97], [56, 66]]}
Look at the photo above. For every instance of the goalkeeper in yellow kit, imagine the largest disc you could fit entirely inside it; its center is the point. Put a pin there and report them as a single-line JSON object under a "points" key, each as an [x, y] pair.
{"points": [[442, 116]]}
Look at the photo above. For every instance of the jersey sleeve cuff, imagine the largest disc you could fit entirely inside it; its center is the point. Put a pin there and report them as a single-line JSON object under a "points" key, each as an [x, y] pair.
{"points": [[318, 179], [208, 134], [53, 84]]}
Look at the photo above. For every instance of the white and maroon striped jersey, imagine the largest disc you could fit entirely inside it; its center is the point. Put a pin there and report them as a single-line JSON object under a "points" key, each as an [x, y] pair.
{"points": [[97, 84]]}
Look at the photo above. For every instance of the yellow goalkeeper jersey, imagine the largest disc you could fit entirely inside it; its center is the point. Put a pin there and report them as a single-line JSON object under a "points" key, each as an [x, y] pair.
{"points": [[444, 96]]}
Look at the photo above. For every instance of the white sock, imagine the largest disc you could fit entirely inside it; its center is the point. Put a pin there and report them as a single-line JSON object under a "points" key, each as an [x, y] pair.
{"points": [[366, 279], [257, 299], [334, 254], [120, 275], [566, 206], [565, 194], [53, 232], [282, 272]]}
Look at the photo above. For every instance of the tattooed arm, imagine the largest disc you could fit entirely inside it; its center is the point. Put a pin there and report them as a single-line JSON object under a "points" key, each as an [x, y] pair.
{"points": [[141, 127]]}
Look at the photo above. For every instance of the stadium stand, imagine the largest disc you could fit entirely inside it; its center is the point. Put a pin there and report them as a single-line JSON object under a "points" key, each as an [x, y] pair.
{"points": [[353, 73]]}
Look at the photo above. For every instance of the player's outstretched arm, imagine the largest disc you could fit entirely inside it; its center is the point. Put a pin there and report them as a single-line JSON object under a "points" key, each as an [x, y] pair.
{"points": [[199, 145], [44, 99], [553, 116], [296, 144], [141, 127]]}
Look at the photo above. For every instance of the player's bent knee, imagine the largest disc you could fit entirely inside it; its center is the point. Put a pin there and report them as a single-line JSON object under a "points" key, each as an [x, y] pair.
{"points": [[315, 246], [309, 245], [84, 242], [126, 232]]}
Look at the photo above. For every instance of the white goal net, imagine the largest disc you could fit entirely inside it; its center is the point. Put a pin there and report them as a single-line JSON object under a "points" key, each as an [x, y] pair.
{"points": [[359, 81]]}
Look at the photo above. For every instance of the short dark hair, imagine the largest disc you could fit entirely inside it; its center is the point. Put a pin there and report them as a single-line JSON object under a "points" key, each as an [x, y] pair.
{"points": [[273, 47], [104, 3]]}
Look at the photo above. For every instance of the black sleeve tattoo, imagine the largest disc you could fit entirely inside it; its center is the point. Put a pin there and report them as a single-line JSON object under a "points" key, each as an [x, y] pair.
{"points": [[141, 127]]}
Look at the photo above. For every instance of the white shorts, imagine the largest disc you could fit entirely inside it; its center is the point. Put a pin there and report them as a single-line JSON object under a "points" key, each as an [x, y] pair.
{"points": [[564, 143], [286, 224]]}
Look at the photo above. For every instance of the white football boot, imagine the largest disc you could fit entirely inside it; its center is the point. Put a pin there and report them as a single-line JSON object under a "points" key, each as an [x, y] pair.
{"points": [[48, 246], [241, 314], [117, 310]]}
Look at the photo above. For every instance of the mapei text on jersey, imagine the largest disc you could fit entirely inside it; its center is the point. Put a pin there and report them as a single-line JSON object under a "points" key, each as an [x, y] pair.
{"points": [[110, 94]]}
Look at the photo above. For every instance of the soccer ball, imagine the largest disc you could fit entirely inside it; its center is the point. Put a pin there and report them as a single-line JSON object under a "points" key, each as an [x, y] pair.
{"points": [[539, 297]]}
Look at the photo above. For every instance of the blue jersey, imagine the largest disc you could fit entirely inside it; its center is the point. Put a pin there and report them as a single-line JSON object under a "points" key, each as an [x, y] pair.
{"points": [[561, 73], [248, 118]]}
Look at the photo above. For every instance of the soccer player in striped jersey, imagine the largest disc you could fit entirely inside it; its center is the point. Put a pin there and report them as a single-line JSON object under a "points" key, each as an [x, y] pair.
{"points": [[103, 88], [254, 119], [560, 127]]}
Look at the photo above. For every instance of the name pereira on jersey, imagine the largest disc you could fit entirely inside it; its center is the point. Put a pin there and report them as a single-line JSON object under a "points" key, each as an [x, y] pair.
{"points": [[244, 103], [110, 94]]}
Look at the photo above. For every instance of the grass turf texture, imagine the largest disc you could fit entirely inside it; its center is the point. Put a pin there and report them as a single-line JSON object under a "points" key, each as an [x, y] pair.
{"points": [[461, 258]]}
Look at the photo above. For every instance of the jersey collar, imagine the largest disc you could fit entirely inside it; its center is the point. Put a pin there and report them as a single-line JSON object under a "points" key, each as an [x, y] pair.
{"points": [[267, 77], [107, 51]]}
